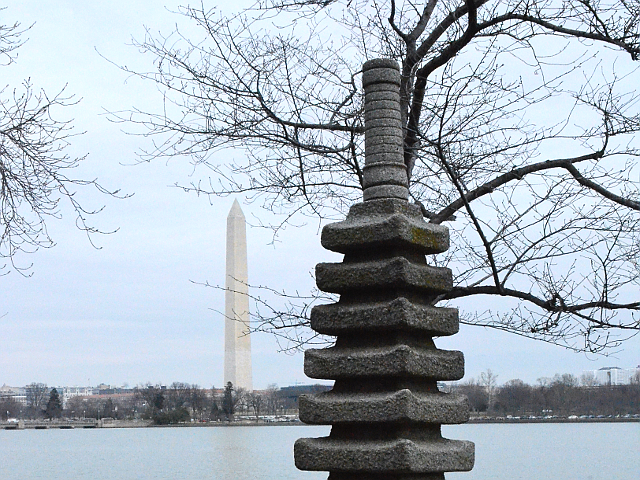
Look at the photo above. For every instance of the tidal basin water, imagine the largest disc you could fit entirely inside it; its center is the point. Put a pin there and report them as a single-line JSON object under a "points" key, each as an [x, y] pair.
{"points": [[586, 451]]}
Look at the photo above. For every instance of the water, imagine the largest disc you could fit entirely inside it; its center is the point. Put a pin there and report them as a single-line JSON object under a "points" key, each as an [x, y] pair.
{"points": [[566, 451], [590, 451]]}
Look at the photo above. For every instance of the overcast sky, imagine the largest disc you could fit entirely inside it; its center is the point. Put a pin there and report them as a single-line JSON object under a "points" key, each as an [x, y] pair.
{"points": [[129, 312]]}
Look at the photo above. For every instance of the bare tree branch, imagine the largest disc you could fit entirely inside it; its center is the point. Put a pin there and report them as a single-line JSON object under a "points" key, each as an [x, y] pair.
{"points": [[520, 122]]}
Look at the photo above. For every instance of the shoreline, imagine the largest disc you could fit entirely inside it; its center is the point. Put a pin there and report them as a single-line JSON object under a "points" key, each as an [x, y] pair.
{"points": [[252, 423], [553, 420]]}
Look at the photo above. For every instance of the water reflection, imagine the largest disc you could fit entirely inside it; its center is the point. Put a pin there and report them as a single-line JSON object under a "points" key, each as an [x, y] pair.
{"points": [[509, 452]]}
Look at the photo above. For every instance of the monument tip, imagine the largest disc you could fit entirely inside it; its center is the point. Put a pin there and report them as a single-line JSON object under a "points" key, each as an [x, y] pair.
{"points": [[236, 211]]}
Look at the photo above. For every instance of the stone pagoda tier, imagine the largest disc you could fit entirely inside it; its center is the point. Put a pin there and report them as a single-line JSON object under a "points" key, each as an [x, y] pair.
{"points": [[385, 408]]}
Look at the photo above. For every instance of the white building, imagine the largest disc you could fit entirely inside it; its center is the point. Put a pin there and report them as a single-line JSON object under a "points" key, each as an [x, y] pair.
{"points": [[68, 393], [615, 375], [17, 394]]}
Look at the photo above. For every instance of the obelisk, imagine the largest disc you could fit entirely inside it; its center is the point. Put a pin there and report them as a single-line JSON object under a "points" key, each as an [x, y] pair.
{"points": [[237, 341]]}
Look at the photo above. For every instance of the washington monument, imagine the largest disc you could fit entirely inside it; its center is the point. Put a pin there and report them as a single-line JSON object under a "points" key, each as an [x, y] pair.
{"points": [[237, 342]]}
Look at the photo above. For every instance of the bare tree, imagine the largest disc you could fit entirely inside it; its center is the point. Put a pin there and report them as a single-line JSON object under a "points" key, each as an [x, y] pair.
{"points": [[9, 408], [489, 381], [476, 393], [178, 395], [257, 403], [563, 397], [184, 395], [520, 121], [199, 401], [588, 379], [37, 396], [34, 166], [150, 398], [272, 399], [515, 396], [240, 400]]}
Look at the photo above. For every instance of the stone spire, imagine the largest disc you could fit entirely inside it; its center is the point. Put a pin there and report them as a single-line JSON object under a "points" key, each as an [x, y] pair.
{"points": [[385, 408], [385, 174], [237, 341]]}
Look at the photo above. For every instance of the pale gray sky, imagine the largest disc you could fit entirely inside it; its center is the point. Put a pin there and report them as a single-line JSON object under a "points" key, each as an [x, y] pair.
{"points": [[128, 313]]}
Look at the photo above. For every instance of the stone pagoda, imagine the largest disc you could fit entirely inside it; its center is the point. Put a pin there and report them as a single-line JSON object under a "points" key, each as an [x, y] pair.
{"points": [[385, 408]]}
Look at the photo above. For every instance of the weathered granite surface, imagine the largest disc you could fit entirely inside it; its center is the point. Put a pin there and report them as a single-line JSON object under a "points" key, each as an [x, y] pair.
{"points": [[401, 406], [385, 407], [396, 272], [397, 360], [385, 223], [382, 317], [399, 455]]}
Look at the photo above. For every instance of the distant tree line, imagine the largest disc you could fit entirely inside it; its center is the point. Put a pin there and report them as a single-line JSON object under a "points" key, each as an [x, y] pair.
{"points": [[563, 395], [177, 403], [42, 402]]}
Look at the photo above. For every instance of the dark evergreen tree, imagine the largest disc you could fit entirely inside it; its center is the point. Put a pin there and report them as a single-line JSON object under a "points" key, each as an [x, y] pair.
{"points": [[109, 410], [216, 411], [227, 401], [158, 401], [54, 406], [177, 415]]}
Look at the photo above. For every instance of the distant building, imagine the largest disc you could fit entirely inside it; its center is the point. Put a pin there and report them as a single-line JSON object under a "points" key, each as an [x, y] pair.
{"points": [[18, 394], [615, 375], [68, 393]]}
